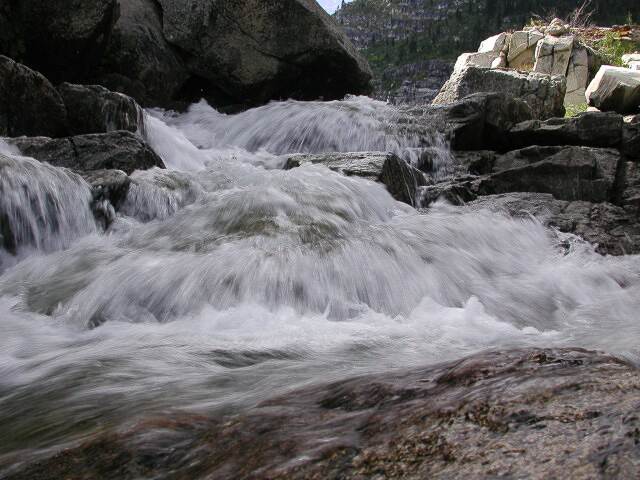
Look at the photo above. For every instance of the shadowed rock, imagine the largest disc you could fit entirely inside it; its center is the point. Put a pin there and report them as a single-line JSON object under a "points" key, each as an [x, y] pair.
{"points": [[116, 150]]}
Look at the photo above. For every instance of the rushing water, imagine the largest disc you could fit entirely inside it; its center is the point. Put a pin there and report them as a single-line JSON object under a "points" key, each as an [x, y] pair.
{"points": [[225, 280]]}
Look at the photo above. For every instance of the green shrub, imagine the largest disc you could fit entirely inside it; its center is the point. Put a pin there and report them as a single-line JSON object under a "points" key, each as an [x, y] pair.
{"points": [[573, 110]]}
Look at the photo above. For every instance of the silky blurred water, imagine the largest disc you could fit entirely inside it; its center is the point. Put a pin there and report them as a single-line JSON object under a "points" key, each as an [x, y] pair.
{"points": [[225, 280]]}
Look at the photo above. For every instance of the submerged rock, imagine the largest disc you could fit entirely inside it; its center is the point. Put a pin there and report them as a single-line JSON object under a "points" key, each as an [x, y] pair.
{"points": [[115, 150], [529, 413], [253, 51], [542, 92], [611, 228], [401, 179], [94, 109], [29, 105], [109, 189]]}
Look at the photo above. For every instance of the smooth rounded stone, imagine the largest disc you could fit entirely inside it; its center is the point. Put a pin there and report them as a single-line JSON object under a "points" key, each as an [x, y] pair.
{"points": [[139, 51], [254, 51], [29, 105], [614, 230], [615, 89], [66, 39], [568, 173], [543, 93], [524, 413], [94, 109], [119, 150], [401, 179], [480, 120], [592, 129]]}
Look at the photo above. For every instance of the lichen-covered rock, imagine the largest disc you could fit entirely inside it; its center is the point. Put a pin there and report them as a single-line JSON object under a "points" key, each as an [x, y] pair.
{"points": [[543, 93], [528, 413], [253, 51], [66, 39], [94, 109], [119, 150], [401, 179], [29, 105], [138, 50], [568, 173], [615, 89], [591, 129]]}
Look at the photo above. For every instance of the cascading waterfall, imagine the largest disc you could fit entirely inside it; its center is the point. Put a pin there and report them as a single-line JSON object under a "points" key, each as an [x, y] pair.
{"points": [[225, 280]]}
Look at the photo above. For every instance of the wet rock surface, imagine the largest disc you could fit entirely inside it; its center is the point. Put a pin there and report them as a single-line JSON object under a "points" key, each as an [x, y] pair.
{"points": [[94, 109], [529, 413], [401, 179], [29, 105], [119, 150]]}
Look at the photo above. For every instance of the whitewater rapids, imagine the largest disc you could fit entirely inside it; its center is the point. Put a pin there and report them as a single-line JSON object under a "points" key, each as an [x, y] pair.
{"points": [[226, 280]]}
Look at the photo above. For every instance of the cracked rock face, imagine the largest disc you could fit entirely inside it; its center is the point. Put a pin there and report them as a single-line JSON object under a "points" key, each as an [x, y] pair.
{"points": [[253, 51], [529, 413]]}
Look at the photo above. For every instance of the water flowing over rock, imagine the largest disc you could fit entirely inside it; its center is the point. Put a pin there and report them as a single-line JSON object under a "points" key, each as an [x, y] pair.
{"points": [[29, 105], [402, 180], [491, 414], [119, 150], [543, 93], [251, 52], [94, 109]]}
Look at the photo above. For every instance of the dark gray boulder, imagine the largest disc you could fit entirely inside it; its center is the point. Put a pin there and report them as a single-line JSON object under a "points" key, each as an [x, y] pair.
{"points": [[614, 230], [479, 162], [109, 189], [29, 105], [528, 413], [94, 109], [401, 179], [543, 93], [65, 39], [591, 129], [630, 146], [251, 51], [119, 150], [568, 173], [139, 52], [480, 120], [629, 183]]}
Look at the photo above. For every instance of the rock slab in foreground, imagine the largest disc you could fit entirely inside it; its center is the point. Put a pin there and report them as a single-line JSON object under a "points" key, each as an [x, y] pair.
{"points": [[543, 93], [530, 413], [401, 179], [116, 150], [29, 105]]}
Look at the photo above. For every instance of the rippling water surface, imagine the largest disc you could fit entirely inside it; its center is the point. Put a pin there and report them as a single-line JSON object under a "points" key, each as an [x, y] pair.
{"points": [[225, 280]]}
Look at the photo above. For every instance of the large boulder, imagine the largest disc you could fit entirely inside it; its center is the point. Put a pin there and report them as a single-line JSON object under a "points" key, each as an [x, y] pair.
{"points": [[568, 173], [94, 109], [524, 413], [615, 89], [65, 39], [522, 48], [543, 93], [480, 120], [119, 150], [252, 51], [592, 129], [401, 179], [613, 230], [577, 77], [139, 51], [29, 105], [553, 54]]}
